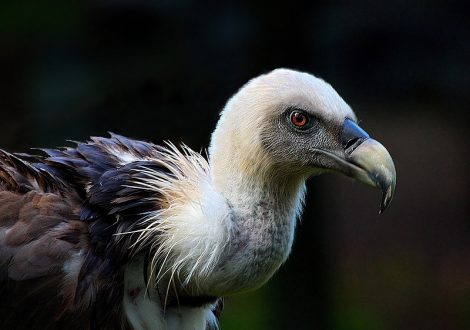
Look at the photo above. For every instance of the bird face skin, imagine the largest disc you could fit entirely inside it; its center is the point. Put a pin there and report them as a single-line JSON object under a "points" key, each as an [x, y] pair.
{"points": [[318, 146]]}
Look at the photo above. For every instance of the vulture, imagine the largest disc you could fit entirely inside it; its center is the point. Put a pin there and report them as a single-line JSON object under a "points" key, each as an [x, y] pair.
{"points": [[116, 233]]}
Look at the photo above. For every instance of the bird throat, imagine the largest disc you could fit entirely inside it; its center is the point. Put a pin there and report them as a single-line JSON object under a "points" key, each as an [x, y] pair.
{"points": [[263, 218]]}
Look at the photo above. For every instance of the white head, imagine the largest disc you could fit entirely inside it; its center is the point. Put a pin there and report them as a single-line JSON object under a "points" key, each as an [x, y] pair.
{"points": [[289, 125]]}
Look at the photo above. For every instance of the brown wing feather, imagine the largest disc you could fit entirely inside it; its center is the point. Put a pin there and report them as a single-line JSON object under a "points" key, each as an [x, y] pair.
{"points": [[44, 250], [61, 262], [35, 250]]}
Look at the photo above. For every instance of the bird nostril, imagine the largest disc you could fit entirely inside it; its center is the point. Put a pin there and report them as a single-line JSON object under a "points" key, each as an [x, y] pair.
{"points": [[352, 144]]}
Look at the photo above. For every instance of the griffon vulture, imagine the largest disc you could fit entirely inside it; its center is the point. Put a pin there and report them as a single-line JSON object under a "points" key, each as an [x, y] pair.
{"points": [[116, 233]]}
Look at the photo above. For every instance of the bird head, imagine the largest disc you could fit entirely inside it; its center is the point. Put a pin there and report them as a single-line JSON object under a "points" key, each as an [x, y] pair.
{"points": [[290, 125]]}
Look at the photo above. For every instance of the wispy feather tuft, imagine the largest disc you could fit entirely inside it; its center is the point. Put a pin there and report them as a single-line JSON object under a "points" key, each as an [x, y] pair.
{"points": [[185, 241]]}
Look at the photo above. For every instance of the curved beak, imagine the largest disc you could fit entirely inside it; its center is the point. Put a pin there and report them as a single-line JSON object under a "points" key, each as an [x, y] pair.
{"points": [[368, 161]]}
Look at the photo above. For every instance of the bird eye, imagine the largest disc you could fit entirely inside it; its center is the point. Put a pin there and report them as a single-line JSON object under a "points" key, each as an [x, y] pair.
{"points": [[299, 119]]}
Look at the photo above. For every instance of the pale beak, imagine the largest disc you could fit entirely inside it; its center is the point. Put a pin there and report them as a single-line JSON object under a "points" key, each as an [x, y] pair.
{"points": [[371, 162]]}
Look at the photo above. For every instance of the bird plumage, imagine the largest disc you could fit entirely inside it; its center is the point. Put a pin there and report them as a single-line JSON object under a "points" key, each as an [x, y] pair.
{"points": [[77, 216], [116, 233]]}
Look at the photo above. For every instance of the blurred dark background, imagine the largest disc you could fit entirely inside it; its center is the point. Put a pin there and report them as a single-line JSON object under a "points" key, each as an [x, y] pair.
{"points": [[163, 70]]}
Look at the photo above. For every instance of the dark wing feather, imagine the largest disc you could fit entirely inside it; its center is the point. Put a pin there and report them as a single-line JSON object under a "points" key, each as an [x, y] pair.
{"points": [[61, 266], [18, 175], [50, 275], [35, 247]]}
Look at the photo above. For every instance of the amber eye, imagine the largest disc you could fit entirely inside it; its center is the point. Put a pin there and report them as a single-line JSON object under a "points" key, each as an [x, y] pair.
{"points": [[299, 119]]}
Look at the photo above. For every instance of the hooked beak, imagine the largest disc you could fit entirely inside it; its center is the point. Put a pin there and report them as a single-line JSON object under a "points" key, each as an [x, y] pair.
{"points": [[368, 161]]}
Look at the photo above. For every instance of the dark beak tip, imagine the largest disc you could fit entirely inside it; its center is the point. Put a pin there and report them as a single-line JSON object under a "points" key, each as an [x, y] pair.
{"points": [[382, 208], [387, 197]]}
